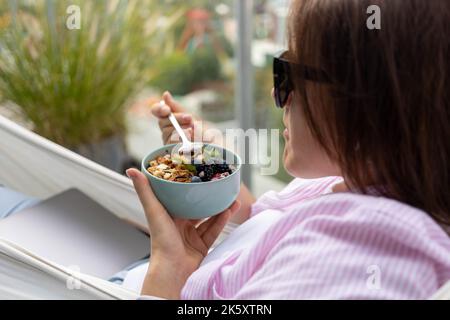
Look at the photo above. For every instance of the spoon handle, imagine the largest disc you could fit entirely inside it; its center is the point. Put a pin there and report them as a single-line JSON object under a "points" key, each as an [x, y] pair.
{"points": [[180, 131]]}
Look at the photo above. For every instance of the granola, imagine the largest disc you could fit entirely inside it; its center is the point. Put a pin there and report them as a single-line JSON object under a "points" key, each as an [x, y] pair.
{"points": [[203, 167], [163, 167]]}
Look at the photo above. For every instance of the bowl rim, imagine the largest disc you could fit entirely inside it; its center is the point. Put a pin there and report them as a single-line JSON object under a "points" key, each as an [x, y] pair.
{"points": [[238, 166]]}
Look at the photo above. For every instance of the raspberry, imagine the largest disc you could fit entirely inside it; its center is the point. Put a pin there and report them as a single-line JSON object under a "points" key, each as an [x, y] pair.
{"points": [[217, 176]]}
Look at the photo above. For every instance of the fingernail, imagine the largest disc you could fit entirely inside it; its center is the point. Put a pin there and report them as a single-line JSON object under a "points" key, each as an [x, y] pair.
{"points": [[130, 173], [186, 117]]}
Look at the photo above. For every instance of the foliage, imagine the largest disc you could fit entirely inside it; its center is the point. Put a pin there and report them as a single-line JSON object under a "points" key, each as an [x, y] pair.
{"points": [[174, 73], [74, 85], [182, 73], [205, 65]]}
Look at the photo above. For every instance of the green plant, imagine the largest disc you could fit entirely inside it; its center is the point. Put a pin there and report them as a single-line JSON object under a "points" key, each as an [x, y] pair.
{"points": [[74, 85], [205, 65], [174, 72], [181, 73]]}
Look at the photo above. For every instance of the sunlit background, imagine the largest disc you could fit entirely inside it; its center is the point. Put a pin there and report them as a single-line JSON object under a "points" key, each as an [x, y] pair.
{"points": [[90, 89]]}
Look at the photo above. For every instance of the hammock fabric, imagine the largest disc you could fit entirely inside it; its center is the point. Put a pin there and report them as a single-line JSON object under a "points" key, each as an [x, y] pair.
{"points": [[38, 167]]}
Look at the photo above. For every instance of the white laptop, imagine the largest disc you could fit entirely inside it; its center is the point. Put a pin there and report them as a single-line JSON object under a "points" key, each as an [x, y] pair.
{"points": [[72, 230]]}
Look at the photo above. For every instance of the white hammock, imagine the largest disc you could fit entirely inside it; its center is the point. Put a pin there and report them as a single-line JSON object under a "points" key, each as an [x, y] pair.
{"points": [[38, 167]]}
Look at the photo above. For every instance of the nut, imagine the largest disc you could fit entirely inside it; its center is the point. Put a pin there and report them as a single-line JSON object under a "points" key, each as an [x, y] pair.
{"points": [[162, 166]]}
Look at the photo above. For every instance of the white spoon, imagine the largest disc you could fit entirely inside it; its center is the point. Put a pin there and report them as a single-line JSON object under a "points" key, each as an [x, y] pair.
{"points": [[187, 146]]}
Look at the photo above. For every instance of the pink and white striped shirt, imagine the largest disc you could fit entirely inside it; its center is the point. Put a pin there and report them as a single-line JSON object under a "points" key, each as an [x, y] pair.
{"points": [[312, 244]]}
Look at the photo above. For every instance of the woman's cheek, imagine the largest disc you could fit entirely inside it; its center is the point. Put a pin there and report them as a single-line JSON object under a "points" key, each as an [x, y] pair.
{"points": [[288, 162], [291, 164], [301, 156], [294, 161]]}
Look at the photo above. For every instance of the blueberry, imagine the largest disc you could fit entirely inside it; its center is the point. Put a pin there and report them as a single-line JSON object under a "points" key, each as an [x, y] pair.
{"points": [[196, 179]]}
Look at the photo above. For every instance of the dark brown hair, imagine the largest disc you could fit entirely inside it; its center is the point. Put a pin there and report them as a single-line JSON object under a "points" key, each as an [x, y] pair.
{"points": [[385, 116]]}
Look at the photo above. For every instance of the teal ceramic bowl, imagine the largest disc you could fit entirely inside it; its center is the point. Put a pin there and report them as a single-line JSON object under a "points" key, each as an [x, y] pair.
{"points": [[195, 200]]}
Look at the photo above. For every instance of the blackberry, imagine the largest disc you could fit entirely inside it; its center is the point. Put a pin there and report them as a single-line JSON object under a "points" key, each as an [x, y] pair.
{"points": [[199, 168], [222, 168], [207, 173]]}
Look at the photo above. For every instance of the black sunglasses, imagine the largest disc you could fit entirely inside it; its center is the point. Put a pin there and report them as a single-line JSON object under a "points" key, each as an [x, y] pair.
{"points": [[282, 81]]}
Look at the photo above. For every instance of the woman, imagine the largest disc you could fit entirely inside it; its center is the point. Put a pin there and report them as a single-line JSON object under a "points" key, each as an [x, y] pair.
{"points": [[370, 106], [367, 134]]}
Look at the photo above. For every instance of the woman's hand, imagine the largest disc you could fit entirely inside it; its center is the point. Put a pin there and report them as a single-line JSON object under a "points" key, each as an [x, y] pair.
{"points": [[195, 129], [178, 246]]}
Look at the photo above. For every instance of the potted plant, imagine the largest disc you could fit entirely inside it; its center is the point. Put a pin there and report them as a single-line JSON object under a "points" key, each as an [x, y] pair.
{"points": [[74, 85]]}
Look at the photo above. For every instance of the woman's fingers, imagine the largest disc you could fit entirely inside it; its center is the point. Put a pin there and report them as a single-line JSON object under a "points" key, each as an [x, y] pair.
{"points": [[183, 119], [163, 110], [210, 229], [209, 222], [170, 101], [160, 111], [169, 135], [156, 214]]}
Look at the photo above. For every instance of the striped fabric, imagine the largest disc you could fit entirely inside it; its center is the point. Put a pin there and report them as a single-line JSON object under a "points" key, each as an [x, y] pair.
{"points": [[322, 245]]}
